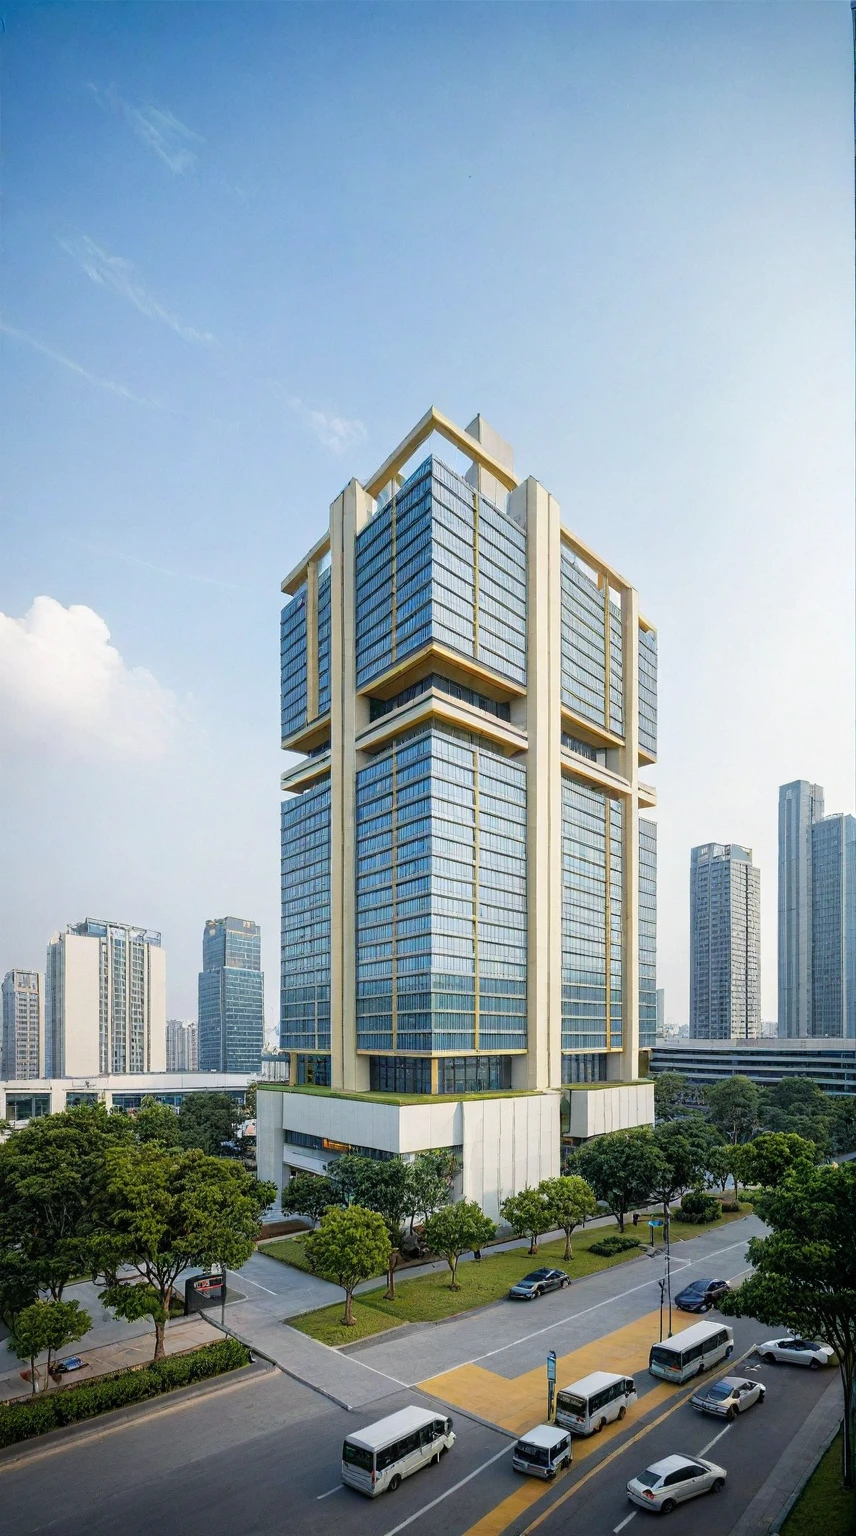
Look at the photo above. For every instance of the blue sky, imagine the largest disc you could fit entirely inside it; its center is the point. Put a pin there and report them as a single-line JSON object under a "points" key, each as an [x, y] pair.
{"points": [[244, 248]]}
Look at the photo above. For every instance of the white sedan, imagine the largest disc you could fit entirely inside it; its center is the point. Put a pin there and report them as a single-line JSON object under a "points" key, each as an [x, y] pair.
{"points": [[795, 1351], [728, 1397], [669, 1482]]}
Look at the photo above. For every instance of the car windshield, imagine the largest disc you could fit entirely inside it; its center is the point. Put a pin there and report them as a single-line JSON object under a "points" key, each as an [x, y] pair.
{"points": [[698, 1285], [648, 1479], [719, 1392], [537, 1274], [537, 1454], [356, 1456], [573, 1404]]}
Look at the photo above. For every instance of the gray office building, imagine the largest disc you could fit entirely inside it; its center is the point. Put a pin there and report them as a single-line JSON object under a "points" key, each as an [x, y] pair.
{"points": [[800, 808], [725, 935], [231, 1025], [22, 1040], [833, 928]]}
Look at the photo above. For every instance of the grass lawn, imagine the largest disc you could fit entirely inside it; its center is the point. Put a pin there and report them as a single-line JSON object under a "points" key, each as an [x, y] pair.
{"points": [[326, 1324], [428, 1298], [824, 1505]]}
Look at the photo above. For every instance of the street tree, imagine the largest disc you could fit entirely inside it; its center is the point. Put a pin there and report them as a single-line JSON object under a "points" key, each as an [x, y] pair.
{"points": [[733, 1107], [431, 1181], [621, 1168], [721, 1164], [209, 1121], [456, 1229], [683, 1148], [527, 1214], [160, 1211], [669, 1093], [351, 1245], [842, 1126], [805, 1272], [48, 1326], [385, 1188], [308, 1194], [570, 1201], [157, 1122], [769, 1156]]}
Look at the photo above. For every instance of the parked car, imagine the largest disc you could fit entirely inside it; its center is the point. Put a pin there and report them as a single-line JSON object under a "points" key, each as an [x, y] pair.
{"points": [[539, 1281], [669, 1482], [728, 1397], [701, 1295], [795, 1351]]}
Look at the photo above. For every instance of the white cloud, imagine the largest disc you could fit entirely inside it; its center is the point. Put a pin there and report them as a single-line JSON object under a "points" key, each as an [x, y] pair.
{"points": [[119, 274], [337, 433], [156, 127], [62, 684], [68, 362]]}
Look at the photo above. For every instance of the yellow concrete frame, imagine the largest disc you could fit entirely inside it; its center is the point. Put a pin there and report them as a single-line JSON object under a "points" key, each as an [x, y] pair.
{"points": [[435, 421]]}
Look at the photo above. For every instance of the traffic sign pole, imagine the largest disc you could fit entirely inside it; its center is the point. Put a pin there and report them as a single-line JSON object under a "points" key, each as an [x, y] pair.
{"points": [[551, 1383]]}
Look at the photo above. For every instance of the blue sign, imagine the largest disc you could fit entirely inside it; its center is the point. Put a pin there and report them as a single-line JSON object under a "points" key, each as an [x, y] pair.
{"points": [[655, 1223], [551, 1365]]}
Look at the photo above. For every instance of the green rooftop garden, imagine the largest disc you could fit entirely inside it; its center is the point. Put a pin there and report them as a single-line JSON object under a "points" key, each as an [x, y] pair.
{"points": [[401, 1099]]}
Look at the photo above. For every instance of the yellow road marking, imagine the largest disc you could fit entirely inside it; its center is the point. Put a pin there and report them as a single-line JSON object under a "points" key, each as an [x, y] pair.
{"points": [[519, 1402]]}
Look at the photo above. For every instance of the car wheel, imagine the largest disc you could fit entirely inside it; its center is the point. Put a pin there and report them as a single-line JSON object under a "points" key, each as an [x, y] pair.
{"points": [[717, 1485], [705, 1308], [814, 1365], [435, 1460], [729, 1352], [666, 1509], [622, 1411], [600, 1426], [394, 1482], [731, 1415], [761, 1396], [443, 1450], [769, 1359]]}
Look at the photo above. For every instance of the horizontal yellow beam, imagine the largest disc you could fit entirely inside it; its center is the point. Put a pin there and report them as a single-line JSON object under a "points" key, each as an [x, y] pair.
{"points": [[434, 704], [435, 421], [296, 577]]}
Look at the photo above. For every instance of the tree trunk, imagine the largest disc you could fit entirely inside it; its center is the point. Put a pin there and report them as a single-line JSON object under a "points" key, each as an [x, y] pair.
{"points": [[33, 1374], [568, 1249], [533, 1244], [390, 1275], [160, 1347], [348, 1319], [453, 1265], [621, 1221], [847, 1448]]}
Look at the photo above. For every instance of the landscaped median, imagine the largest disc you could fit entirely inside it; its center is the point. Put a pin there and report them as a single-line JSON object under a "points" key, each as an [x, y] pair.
{"points": [[71, 1405], [429, 1299]]}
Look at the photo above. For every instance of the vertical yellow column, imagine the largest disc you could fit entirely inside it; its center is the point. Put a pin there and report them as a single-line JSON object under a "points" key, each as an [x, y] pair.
{"points": [[312, 641], [628, 1060], [543, 1061], [348, 513]]}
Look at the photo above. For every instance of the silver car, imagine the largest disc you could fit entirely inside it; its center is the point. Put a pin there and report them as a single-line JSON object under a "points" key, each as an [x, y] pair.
{"points": [[667, 1483], [728, 1397], [795, 1351]]}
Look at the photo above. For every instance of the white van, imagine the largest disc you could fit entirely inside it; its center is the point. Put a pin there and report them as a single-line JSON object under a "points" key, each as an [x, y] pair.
{"points": [[587, 1405], [543, 1452], [689, 1353], [381, 1455]]}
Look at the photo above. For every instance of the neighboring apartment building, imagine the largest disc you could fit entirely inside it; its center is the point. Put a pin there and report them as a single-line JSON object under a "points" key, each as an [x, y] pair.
{"points": [[182, 1054], [725, 943], [829, 1063], [469, 892], [800, 807], [22, 1039], [231, 1024], [105, 1005], [833, 928]]}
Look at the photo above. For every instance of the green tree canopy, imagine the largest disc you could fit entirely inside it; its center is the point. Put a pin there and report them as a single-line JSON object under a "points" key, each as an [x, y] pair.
{"points": [[456, 1229], [621, 1168], [48, 1325], [208, 1120], [570, 1201], [771, 1155], [351, 1245], [843, 1123], [733, 1107], [684, 1148], [669, 1093], [157, 1122], [308, 1194], [431, 1182], [160, 1211], [805, 1271], [527, 1214], [722, 1164], [797, 1106]]}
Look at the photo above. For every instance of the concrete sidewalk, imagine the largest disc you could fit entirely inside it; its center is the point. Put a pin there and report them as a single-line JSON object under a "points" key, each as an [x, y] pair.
{"points": [[346, 1381], [183, 1333], [794, 1467]]}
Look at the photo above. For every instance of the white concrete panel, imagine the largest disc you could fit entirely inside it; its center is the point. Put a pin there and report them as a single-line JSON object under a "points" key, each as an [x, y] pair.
{"points": [[596, 1111]]}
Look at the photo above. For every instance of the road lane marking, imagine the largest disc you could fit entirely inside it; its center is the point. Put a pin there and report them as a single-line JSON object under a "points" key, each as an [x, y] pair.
{"points": [[239, 1276], [617, 1528], [330, 1492], [448, 1494], [705, 1448]]}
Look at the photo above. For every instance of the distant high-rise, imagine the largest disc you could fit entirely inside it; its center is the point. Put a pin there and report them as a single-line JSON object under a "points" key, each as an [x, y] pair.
{"points": [[22, 1043], [105, 1007], [725, 928], [833, 927], [661, 1013], [800, 807], [182, 1053], [231, 997]]}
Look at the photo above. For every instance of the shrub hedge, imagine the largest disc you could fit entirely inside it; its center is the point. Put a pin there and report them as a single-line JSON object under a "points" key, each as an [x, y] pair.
{"points": [[608, 1246], [70, 1405], [698, 1207]]}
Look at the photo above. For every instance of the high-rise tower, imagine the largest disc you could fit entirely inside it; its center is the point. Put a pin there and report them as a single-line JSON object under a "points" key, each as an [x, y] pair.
{"points": [[725, 943], [800, 806], [231, 1028]]}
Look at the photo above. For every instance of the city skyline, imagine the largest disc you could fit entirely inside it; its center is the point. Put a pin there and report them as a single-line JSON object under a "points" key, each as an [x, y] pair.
{"points": [[642, 365]]}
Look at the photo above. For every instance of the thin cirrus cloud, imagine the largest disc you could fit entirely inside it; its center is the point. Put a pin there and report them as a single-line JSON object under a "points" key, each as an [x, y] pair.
{"points": [[64, 685], [118, 274], [338, 433], [110, 385], [156, 127]]}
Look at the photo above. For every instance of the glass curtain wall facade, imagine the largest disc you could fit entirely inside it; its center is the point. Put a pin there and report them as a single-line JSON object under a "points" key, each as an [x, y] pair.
{"points": [[725, 923], [833, 915], [421, 903], [231, 1022]]}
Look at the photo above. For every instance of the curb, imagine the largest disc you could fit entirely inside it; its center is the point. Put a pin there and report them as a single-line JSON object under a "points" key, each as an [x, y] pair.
{"points": [[776, 1527]]}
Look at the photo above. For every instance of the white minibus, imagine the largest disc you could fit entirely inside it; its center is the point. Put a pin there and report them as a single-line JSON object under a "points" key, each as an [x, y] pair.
{"points": [[543, 1452], [689, 1353], [587, 1405], [381, 1455]]}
